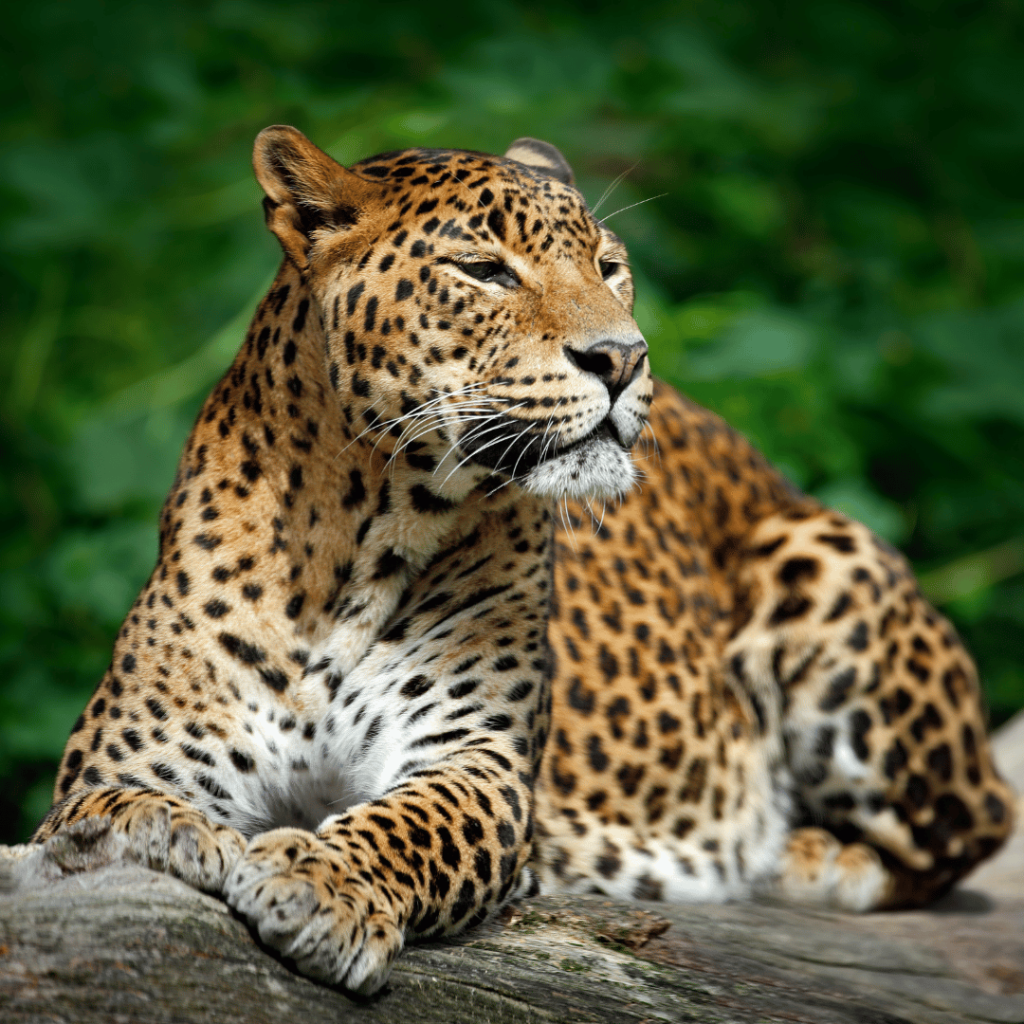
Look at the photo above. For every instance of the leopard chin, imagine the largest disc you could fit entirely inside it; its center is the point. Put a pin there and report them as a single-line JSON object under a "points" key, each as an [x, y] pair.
{"points": [[599, 468]]}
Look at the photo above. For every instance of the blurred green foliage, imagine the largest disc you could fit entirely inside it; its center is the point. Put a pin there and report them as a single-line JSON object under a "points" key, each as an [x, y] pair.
{"points": [[834, 261]]}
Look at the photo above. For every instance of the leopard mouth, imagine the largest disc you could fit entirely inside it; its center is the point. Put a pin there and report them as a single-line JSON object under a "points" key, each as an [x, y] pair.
{"points": [[597, 466], [521, 448]]}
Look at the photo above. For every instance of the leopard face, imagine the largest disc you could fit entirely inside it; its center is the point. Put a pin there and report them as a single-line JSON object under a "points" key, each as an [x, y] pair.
{"points": [[496, 336]]}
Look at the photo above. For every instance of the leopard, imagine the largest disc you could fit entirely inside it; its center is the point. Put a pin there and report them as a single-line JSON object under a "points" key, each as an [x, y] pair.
{"points": [[455, 603]]}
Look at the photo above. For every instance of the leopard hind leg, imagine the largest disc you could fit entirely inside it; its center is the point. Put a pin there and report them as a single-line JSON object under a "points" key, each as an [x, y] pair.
{"points": [[895, 793], [817, 868]]}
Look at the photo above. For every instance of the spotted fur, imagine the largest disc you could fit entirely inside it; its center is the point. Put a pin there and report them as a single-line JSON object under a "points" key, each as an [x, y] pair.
{"points": [[375, 672]]}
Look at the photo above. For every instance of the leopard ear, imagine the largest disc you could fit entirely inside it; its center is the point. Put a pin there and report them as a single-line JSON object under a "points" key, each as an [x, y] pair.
{"points": [[305, 189], [541, 156]]}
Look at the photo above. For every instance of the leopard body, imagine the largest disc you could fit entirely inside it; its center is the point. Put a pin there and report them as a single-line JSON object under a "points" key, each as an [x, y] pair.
{"points": [[377, 685]]}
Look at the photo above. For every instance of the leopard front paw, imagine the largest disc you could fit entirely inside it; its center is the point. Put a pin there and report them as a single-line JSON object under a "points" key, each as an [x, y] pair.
{"points": [[305, 901], [181, 841]]}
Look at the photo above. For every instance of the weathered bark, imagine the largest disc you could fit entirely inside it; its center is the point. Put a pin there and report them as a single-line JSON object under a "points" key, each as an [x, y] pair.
{"points": [[86, 935]]}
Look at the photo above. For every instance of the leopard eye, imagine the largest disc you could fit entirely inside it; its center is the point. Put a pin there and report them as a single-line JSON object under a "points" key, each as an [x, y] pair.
{"points": [[608, 268], [490, 272]]}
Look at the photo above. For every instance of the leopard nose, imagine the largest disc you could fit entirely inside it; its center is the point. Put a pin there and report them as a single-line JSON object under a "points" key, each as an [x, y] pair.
{"points": [[617, 363]]}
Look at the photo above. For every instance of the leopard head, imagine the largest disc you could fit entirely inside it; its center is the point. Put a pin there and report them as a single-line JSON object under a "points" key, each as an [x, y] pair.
{"points": [[476, 316]]}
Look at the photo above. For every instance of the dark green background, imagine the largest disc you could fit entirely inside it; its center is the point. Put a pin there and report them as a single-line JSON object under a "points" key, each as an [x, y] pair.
{"points": [[834, 260]]}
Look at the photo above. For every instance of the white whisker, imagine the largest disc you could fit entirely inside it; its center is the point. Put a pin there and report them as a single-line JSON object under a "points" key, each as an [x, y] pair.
{"points": [[595, 523], [568, 522], [526, 447], [473, 454], [612, 187], [632, 205]]}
